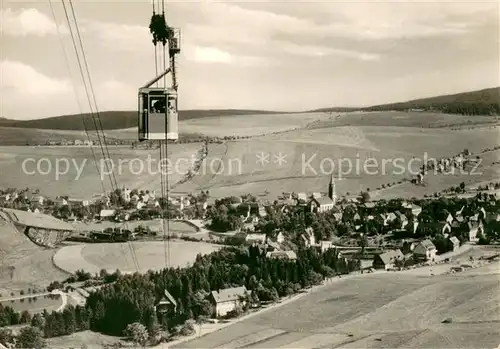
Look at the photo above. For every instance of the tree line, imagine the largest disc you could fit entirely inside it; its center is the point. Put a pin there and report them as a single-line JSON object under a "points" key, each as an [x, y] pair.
{"points": [[133, 297], [449, 108]]}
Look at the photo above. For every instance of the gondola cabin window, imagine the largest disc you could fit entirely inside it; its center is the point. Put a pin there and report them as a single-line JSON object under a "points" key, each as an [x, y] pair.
{"points": [[157, 104]]}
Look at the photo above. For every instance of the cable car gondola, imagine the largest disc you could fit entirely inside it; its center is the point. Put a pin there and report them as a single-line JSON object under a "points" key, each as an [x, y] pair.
{"points": [[158, 107], [158, 115]]}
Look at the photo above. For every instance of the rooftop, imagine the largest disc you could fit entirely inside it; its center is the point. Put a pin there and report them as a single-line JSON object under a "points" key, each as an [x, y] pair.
{"points": [[229, 294]]}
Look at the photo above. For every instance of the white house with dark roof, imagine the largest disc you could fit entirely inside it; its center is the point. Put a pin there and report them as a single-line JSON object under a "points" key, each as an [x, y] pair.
{"points": [[387, 260], [227, 300], [425, 250]]}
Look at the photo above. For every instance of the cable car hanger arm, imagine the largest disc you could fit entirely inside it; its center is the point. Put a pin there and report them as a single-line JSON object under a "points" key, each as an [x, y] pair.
{"points": [[154, 80]]}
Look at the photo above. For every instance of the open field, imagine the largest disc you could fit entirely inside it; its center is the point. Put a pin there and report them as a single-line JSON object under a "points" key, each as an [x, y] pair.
{"points": [[150, 255], [50, 302], [311, 155], [343, 141], [383, 310], [132, 168]]}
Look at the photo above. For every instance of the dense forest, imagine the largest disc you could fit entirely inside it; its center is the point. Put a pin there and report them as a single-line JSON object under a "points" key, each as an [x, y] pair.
{"points": [[482, 102], [131, 299]]}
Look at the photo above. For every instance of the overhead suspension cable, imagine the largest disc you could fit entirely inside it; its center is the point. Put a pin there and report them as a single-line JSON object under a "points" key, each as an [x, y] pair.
{"points": [[91, 88], [82, 76], [68, 65], [97, 125], [167, 186]]}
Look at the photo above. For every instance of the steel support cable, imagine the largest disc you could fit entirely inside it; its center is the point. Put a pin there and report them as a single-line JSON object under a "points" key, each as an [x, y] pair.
{"points": [[90, 102], [80, 66], [115, 184], [83, 79], [91, 86], [162, 184], [167, 189], [66, 58]]}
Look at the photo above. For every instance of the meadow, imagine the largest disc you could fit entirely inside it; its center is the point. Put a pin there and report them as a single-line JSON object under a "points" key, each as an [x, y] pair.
{"points": [[150, 256], [332, 142], [72, 171], [360, 157]]}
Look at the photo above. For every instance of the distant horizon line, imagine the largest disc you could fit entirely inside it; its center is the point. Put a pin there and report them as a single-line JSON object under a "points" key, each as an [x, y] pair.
{"points": [[270, 111]]}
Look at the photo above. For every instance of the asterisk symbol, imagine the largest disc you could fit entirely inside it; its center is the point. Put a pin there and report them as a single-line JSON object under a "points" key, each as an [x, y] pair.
{"points": [[262, 158], [280, 159]]}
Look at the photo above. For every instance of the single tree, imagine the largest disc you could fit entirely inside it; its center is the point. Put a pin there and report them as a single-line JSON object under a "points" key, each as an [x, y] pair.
{"points": [[30, 337], [138, 333]]}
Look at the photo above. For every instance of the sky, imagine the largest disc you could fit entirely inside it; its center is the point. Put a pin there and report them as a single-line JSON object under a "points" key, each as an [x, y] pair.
{"points": [[274, 55]]}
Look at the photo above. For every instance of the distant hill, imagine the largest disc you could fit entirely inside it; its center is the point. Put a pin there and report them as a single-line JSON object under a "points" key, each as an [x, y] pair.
{"points": [[482, 102], [113, 120], [334, 110]]}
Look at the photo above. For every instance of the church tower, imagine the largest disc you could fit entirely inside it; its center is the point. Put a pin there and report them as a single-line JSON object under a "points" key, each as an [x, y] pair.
{"points": [[332, 191]]}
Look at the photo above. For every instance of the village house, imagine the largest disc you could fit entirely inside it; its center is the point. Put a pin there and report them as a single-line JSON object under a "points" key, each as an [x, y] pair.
{"points": [[308, 237], [60, 202], [107, 214], [280, 238], [391, 217], [369, 206], [475, 229], [272, 245], [74, 202], [325, 245], [255, 238], [227, 300], [166, 304], [357, 218], [403, 219], [37, 200], [456, 243], [261, 210], [238, 200], [320, 205], [416, 210], [387, 260], [301, 199], [78, 142], [425, 250], [448, 218], [288, 255], [337, 216]]}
